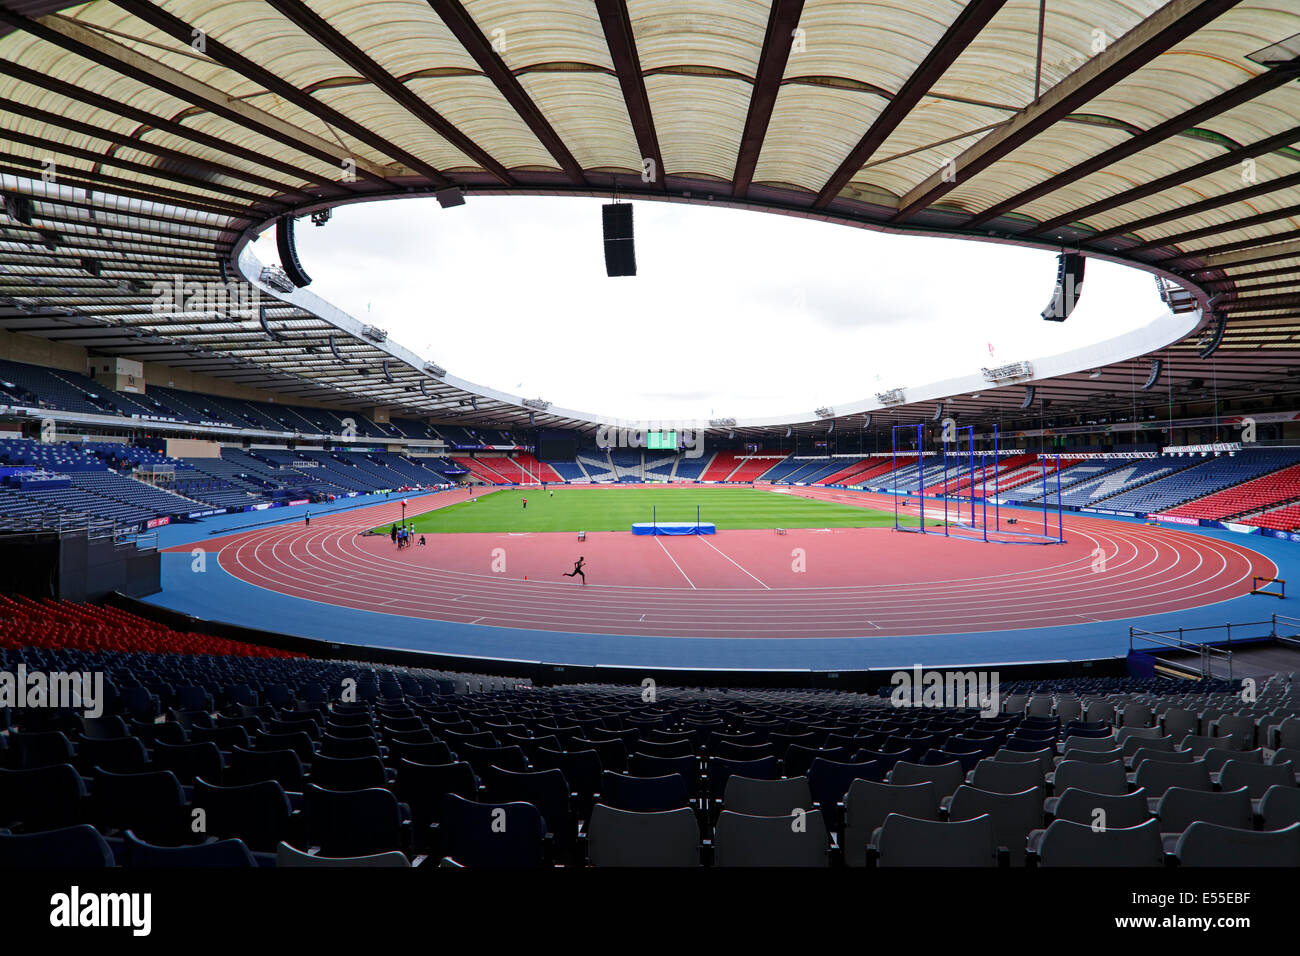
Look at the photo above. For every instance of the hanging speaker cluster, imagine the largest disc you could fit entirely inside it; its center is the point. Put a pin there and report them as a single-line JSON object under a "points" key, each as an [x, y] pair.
{"points": [[289, 252], [1069, 286], [1029, 398], [1211, 337], [620, 255], [1154, 376]]}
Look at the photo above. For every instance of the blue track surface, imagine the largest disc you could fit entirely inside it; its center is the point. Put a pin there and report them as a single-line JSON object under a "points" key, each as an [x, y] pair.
{"points": [[216, 595]]}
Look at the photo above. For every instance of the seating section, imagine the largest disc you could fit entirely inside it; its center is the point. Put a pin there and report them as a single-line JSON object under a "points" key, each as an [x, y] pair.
{"points": [[1279, 487], [61, 625], [414, 768], [722, 466], [1207, 476]]}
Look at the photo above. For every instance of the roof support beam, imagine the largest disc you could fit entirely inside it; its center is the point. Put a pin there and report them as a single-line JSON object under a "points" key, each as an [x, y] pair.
{"points": [[617, 25], [28, 168], [75, 38], [99, 157], [217, 51], [782, 20], [1243, 93], [1168, 26], [1216, 259], [319, 29], [972, 19], [1170, 242], [463, 27], [149, 121], [1214, 202]]}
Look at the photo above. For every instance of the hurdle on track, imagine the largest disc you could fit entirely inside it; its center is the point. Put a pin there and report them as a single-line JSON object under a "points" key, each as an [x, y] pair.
{"points": [[1259, 582]]}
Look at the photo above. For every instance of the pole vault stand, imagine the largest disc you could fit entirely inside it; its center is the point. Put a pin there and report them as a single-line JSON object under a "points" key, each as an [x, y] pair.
{"points": [[978, 526]]}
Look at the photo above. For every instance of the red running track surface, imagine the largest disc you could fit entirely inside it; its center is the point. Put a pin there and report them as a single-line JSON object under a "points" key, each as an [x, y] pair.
{"points": [[846, 582]]}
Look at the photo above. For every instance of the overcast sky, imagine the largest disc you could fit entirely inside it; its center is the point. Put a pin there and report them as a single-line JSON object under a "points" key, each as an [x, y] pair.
{"points": [[732, 313]]}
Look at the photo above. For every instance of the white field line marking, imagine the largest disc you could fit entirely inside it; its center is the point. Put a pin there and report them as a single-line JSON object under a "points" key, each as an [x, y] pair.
{"points": [[728, 557], [675, 564]]}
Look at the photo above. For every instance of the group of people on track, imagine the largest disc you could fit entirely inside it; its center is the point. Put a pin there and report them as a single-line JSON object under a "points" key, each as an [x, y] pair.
{"points": [[404, 535]]}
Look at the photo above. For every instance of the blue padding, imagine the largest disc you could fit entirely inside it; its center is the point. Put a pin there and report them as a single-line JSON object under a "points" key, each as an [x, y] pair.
{"points": [[675, 527]]}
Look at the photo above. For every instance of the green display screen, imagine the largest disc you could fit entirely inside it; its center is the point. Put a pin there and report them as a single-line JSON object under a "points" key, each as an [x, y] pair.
{"points": [[662, 440]]}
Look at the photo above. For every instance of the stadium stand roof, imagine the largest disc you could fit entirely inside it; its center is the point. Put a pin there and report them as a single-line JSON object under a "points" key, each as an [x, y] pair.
{"points": [[144, 140]]}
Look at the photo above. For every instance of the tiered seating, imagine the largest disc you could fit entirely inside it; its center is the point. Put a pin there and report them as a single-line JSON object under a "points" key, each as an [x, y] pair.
{"points": [[536, 470], [808, 471], [627, 463], [752, 468], [691, 469], [838, 477], [506, 468], [62, 625], [660, 463], [1080, 471], [1276, 488], [567, 470], [65, 391], [1210, 475], [1113, 482], [984, 474], [597, 465], [112, 486], [480, 470], [870, 472], [722, 465], [1286, 518], [693, 777]]}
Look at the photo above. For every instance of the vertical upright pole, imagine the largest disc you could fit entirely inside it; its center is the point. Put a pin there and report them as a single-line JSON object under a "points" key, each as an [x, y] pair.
{"points": [[997, 466], [654, 518], [920, 473], [893, 450], [1046, 495], [984, 497], [1060, 522], [945, 488], [971, 489]]}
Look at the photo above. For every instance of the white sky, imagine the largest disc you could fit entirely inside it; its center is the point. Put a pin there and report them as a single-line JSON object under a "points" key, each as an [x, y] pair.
{"points": [[732, 313]]}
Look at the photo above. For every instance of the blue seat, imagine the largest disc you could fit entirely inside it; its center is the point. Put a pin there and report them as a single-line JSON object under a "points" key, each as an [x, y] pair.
{"points": [[42, 749], [765, 768], [499, 835], [72, 848], [188, 761], [151, 803], [213, 853], [257, 813], [118, 754], [643, 794], [42, 798], [353, 822]]}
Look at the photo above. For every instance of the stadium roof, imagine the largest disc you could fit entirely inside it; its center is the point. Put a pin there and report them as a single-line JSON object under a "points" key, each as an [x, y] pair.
{"points": [[144, 140]]}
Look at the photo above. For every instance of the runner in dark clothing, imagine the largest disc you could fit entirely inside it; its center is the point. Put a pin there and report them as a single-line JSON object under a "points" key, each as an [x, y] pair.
{"points": [[577, 569], [308, 519], [394, 533]]}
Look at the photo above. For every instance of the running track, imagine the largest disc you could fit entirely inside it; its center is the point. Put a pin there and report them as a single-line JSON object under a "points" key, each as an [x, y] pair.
{"points": [[807, 583]]}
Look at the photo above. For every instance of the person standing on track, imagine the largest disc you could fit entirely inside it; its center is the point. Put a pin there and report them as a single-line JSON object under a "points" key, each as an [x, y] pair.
{"points": [[577, 569], [307, 518], [393, 533]]}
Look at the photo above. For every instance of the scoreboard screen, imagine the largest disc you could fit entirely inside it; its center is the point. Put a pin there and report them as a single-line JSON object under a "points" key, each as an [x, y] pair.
{"points": [[662, 441]]}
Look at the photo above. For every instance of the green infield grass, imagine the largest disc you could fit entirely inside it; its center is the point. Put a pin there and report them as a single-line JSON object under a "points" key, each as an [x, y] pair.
{"points": [[617, 509]]}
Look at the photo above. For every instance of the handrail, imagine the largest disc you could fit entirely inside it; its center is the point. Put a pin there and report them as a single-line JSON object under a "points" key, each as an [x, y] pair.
{"points": [[1204, 649]]}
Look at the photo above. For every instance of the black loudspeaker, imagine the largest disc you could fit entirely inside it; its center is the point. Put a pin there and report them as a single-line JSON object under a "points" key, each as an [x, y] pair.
{"points": [[620, 255], [289, 252], [1069, 286]]}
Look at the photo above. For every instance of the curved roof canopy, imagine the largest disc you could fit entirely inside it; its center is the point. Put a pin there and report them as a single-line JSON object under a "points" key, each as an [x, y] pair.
{"points": [[144, 140]]}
